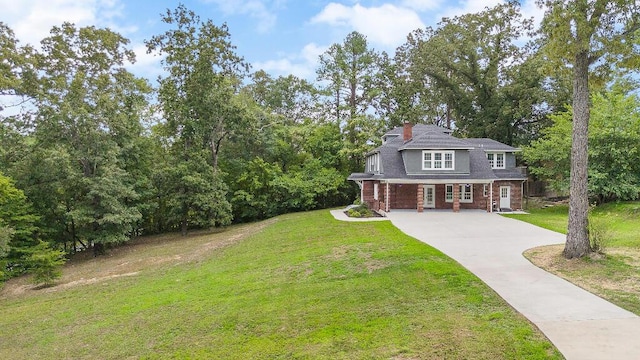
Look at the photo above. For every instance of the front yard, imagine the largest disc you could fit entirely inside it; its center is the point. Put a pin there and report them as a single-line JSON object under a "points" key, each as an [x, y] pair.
{"points": [[613, 274], [299, 286]]}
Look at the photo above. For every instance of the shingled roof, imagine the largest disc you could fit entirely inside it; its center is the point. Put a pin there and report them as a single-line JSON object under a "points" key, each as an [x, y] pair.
{"points": [[435, 137]]}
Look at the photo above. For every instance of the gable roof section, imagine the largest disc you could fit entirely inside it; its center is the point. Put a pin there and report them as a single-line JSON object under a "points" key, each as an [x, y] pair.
{"points": [[431, 139], [490, 145]]}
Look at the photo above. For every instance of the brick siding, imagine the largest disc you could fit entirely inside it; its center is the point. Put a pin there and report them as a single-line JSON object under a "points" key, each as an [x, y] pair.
{"points": [[405, 196]]}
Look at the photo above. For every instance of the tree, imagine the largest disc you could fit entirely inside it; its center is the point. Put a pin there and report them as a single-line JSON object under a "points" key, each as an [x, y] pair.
{"points": [[594, 38], [402, 96], [17, 227], [202, 110], [289, 97], [45, 264], [473, 73], [5, 237], [17, 73], [17, 77], [198, 95], [614, 148], [89, 110], [349, 69]]}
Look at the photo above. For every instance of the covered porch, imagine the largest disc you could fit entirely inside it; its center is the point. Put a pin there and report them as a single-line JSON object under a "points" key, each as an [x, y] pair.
{"points": [[453, 194]]}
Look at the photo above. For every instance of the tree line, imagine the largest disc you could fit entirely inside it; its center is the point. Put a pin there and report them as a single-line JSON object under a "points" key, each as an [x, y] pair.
{"points": [[97, 155]]}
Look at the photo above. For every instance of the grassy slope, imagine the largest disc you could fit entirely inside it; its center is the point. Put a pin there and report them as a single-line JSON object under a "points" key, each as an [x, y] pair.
{"points": [[305, 287], [616, 276]]}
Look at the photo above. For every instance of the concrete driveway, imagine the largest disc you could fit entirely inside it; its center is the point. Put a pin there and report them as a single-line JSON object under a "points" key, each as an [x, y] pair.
{"points": [[580, 324]]}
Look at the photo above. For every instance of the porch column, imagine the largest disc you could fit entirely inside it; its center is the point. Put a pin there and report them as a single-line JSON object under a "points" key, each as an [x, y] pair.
{"points": [[491, 196], [420, 198], [488, 198], [361, 185], [456, 197], [386, 198]]}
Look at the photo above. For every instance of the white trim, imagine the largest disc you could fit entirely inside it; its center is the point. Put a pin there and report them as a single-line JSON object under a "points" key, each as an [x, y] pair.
{"points": [[373, 163], [437, 181], [501, 150], [386, 198], [433, 194], [432, 160], [508, 192], [376, 189], [491, 196], [461, 194], [493, 162], [360, 183]]}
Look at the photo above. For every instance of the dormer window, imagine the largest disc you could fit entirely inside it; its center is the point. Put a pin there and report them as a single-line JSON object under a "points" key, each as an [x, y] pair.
{"points": [[496, 160], [438, 160], [373, 163]]}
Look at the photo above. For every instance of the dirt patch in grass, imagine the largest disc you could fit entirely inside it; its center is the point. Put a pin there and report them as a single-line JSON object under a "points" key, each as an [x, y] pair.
{"points": [[614, 276], [137, 256], [360, 255]]}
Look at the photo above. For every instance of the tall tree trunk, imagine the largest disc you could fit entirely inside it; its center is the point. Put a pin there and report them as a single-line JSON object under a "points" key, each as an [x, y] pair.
{"points": [[338, 107], [352, 98], [577, 244]]}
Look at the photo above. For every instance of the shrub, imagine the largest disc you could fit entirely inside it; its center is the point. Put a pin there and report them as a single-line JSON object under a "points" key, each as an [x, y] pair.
{"points": [[599, 235], [353, 213], [45, 264], [360, 211]]}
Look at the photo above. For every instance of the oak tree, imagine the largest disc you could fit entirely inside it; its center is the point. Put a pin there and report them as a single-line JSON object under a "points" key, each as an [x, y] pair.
{"points": [[593, 38]]}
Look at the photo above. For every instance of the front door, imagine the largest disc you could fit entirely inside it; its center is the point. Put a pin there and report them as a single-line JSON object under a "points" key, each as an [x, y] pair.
{"points": [[505, 197], [430, 196]]}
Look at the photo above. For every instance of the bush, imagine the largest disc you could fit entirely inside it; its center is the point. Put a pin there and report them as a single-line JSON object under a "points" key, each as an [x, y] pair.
{"points": [[354, 213], [360, 211], [599, 235], [45, 264]]}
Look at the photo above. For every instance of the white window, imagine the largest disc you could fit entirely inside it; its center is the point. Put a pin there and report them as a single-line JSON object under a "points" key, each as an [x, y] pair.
{"points": [[466, 193], [485, 190], [496, 160], [373, 163], [438, 160], [375, 191], [448, 193]]}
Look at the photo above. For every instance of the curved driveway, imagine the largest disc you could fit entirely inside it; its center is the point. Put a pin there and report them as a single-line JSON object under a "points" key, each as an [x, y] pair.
{"points": [[580, 324]]}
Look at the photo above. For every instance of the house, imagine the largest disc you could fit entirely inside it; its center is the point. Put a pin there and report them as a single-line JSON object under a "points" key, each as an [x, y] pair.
{"points": [[425, 167]]}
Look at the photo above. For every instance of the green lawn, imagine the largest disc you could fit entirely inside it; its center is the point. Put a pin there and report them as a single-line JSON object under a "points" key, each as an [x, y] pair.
{"points": [[614, 276], [621, 221], [305, 287]]}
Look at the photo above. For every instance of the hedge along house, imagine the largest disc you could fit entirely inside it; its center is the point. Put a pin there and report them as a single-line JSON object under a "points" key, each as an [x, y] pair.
{"points": [[425, 167]]}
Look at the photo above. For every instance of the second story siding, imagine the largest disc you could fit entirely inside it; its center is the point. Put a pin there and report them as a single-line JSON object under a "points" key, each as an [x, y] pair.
{"points": [[413, 162]]}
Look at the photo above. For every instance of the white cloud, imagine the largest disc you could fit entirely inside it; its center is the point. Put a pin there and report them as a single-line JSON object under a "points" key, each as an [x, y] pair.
{"points": [[302, 64], [256, 9], [146, 65], [32, 20], [528, 9], [386, 25], [421, 5]]}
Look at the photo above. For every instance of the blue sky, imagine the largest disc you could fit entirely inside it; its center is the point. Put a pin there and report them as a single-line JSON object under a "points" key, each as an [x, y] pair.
{"points": [[280, 36]]}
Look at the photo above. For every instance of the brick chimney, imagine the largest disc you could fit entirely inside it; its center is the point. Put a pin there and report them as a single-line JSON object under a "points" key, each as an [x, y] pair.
{"points": [[407, 134]]}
